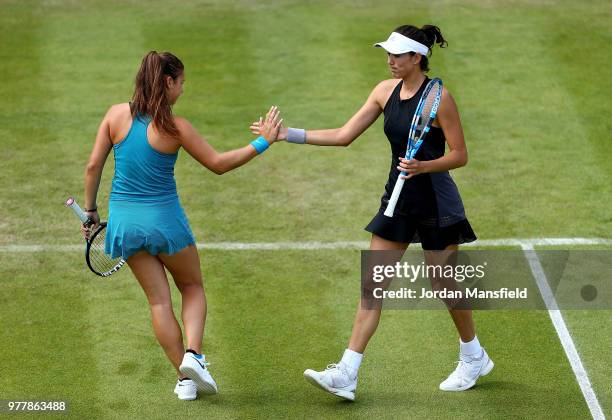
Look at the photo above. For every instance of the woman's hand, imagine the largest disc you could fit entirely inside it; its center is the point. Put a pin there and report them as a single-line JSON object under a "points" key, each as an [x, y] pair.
{"points": [[88, 230], [412, 166], [269, 128], [257, 127]]}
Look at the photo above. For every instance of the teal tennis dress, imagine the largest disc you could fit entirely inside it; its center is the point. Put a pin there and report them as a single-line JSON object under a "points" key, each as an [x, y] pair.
{"points": [[144, 209]]}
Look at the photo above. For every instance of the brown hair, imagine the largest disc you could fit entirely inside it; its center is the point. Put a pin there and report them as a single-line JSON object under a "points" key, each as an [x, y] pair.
{"points": [[150, 91], [428, 35]]}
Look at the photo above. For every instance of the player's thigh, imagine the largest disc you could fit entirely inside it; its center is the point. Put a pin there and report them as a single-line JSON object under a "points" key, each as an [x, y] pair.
{"points": [[184, 266], [150, 273], [377, 259], [380, 244], [443, 258], [446, 256]]}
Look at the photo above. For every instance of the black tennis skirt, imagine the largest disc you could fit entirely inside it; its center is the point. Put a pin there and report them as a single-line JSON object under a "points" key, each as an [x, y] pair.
{"points": [[404, 229]]}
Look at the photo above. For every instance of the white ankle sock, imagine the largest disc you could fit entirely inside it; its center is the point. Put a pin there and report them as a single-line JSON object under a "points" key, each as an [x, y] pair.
{"points": [[470, 348], [352, 360]]}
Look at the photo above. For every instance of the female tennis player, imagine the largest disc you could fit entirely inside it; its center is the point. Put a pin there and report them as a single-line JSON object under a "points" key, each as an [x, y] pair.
{"points": [[429, 211], [147, 225]]}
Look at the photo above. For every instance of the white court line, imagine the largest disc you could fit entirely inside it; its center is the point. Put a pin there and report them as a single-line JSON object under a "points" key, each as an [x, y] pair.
{"points": [[314, 245], [563, 333]]}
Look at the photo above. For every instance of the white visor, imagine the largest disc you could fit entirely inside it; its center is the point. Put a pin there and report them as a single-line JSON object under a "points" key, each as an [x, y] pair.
{"points": [[400, 44]]}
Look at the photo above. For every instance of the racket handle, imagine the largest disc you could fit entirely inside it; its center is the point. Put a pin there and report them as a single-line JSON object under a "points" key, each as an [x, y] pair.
{"points": [[397, 189], [71, 203]]}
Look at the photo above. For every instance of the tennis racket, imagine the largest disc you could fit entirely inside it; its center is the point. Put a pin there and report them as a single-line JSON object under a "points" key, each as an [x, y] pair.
{"points": [[424, 115], [97, 260]]}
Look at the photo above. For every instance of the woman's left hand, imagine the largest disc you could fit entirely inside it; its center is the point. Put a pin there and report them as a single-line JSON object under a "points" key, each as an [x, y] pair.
{"points": [[412, 166], [270, 127]]}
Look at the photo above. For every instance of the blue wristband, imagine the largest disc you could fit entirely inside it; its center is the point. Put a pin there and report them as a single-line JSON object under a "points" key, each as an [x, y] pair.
{"points": [[260, 144]]}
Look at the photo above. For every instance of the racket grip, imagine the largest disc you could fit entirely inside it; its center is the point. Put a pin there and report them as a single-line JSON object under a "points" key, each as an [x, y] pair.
{"points": [[71, 203], [397, 189]]}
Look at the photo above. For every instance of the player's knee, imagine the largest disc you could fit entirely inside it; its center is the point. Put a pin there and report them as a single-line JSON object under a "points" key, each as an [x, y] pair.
{"points": [[160, 305], [190, 287]]}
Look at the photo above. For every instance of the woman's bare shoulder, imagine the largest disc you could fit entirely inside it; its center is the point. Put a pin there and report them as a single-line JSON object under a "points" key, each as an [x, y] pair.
{"points": [[387, 85], [119, 120], [119, 111], [383, 91]]}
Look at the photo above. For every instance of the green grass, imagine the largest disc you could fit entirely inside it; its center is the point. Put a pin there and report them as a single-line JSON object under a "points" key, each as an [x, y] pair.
{"points": [[93, 345], [531, 82]]}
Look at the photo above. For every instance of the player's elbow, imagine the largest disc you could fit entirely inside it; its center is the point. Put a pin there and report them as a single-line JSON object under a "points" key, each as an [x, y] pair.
{"points": [[218, 169], [215, 164], [343, 140], [463, 158], [92, 168]]}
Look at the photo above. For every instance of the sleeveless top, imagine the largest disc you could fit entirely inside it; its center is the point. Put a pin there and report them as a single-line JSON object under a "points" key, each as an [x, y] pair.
{"points": [[431, 198], [142, 173]]}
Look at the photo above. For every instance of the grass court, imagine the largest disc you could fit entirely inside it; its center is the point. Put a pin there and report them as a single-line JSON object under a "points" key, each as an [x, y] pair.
{"points": [[531, 82]]}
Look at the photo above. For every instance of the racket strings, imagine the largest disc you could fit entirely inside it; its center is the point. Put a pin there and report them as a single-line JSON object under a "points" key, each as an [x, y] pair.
{"points": [[428, 105], [99, 260]]}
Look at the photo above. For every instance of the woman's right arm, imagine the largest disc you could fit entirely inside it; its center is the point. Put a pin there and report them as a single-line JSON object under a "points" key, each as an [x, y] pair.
{"points": [[220, 163], [353, 128]]}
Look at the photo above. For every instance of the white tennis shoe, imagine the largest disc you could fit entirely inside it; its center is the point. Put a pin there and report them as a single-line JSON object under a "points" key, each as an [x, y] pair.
{"points": [[335, 380], [195, 368], [467, 372], [186, 390]]}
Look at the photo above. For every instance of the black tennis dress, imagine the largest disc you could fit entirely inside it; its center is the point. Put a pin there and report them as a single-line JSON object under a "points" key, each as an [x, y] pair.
{"points": [[429, 209]]}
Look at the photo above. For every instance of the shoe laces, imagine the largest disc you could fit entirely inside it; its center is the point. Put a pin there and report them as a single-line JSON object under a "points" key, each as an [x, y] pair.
{"points": [[462, 368], [338, 367], [463, 364], [338, 374], [333, 366]]}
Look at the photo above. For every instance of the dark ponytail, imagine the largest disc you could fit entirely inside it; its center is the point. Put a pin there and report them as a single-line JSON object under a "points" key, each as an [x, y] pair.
{"points": [[428, 35], [150, 91]]}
